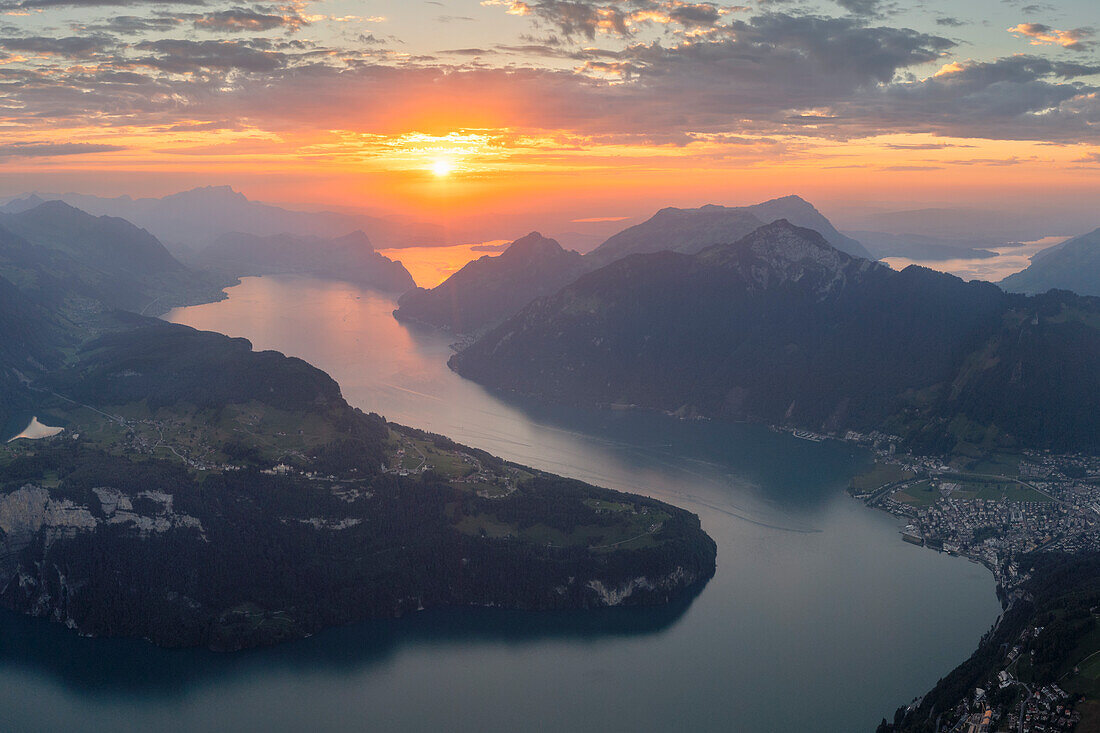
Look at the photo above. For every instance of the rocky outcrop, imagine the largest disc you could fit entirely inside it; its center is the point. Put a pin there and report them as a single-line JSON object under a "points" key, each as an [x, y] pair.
{"points": [[30, 513]]}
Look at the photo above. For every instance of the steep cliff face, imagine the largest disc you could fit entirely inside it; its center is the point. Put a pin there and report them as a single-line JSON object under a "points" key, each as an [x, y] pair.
{"points": [[33, 521]]}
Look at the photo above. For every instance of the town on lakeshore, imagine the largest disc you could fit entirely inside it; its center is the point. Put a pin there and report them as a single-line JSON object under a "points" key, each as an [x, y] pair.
{"points": [[996, 511]]}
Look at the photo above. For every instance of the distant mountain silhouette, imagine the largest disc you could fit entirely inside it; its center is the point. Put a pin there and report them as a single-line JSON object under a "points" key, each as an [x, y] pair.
{"points": [[55, 249], [783, 328], [17, 206], [490, 289], [190, 220], [350, 258], [692, 230], [981, 227], [63, 273], [1072, 265]]}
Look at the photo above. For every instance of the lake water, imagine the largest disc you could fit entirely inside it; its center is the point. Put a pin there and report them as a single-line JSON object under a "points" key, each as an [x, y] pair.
{"points": [[430, 266], [36, 430], [819, 618], [1010, 259]]}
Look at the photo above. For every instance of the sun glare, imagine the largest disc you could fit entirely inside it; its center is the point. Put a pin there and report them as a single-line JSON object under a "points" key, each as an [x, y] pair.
{"points": [[442, 168]]}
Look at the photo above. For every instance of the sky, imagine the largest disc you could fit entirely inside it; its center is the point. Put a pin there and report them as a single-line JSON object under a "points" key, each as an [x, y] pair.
{"points": [[585, 108]]}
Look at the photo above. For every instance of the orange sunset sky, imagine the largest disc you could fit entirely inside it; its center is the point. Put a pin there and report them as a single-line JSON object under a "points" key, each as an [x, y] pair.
{"points": [[465, 109]]}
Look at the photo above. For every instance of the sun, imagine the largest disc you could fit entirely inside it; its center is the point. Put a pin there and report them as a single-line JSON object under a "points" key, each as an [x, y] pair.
{"points": [[442, 168]]}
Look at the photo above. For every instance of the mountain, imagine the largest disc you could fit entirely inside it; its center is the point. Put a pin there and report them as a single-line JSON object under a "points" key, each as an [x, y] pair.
{"points": [[208, 495], [490, 289], [1072, 265], [692, 230], [16, 206], [190, 220], [781, 327], [205, 494], [351, 258], [918, 247], [64, 250], [30, 345]]}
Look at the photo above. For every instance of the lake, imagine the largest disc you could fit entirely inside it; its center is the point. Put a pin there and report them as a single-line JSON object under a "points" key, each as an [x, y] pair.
{"points": [[819, 617], [36, 430], [1010, 259]]}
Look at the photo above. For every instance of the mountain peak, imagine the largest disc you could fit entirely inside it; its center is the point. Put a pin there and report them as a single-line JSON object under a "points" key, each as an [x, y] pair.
{"points": [[55, 208], [779, 237], [357, 239], [782, 252], [208, 193], [18, 206], [532, 245], [789, 199]]}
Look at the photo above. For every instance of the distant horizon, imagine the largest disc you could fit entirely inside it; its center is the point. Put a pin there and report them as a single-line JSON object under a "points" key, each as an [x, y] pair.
{"points": [[1068, 219], [590, 108]]}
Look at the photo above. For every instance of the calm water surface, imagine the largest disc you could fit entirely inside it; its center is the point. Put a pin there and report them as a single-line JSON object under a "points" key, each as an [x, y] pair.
{"points": [[819, 618]]}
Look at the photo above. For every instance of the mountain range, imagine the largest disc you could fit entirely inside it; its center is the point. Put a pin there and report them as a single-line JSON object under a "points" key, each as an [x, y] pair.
{"points": [[693, 230], [782, 327], [489, 290], [55, 252], [205, 494], [350, 258], [190, 220]]}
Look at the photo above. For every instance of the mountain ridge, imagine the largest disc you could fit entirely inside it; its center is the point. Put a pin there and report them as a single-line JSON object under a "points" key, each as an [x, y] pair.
{"points": [[1073, 265], [205, 494], [350, 257], [691, 230], [479, 297], [189, 220], [784, 329]]}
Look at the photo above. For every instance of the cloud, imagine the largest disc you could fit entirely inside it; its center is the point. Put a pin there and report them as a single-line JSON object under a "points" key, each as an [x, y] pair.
{"points": [[240, 20], [924, 146], [180, 56], [1012, 98], [49, 150], [45, 4], [133, 25], [771, 75], [866, 8], [69, 47], [588, 18], [469, 51], [1044, 35]]}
